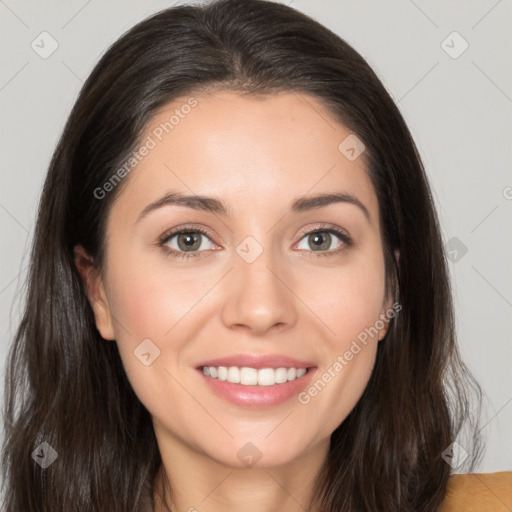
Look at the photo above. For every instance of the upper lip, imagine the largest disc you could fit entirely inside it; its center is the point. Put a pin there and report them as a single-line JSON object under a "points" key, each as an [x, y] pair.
{"points": [[257, 361]]}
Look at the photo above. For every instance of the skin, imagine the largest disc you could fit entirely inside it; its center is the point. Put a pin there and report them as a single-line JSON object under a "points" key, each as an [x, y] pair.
{"points": [[256, 154]]}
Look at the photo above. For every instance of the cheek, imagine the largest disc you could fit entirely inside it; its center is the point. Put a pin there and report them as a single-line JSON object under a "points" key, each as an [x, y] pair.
{"points": [[348, 300], [150, 301], [147, 315]]}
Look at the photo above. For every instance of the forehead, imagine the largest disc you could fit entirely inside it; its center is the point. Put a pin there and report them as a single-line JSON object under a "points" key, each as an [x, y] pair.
{"points": [[257, 152]]}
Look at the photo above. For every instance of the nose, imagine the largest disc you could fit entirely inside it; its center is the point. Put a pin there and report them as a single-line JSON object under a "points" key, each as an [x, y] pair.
{"points": [[259, 296]]}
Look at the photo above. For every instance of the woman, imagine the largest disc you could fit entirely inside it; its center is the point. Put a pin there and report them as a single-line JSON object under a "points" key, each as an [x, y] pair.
{"points": [[238, 297]]}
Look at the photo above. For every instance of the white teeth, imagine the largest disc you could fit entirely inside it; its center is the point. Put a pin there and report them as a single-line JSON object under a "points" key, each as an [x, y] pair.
{"points": [[249, 376], [252, 377], [222, 372], [233, 374], [281, 375], [266, 377]]}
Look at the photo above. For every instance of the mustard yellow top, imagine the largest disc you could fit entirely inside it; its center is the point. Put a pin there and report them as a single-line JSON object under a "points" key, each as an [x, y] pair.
{"points": [[479, 492]]}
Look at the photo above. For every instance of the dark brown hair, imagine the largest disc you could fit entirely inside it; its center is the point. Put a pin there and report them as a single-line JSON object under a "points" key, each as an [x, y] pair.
{"points": [[68, 388]]}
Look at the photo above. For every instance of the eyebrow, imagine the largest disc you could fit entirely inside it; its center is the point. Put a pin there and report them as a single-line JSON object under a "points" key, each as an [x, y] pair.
{"points": [[218, 206]]}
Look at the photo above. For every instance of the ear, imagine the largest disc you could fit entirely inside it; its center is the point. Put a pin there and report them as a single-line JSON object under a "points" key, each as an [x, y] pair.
{"points": [[95, 289], [389, 305]]}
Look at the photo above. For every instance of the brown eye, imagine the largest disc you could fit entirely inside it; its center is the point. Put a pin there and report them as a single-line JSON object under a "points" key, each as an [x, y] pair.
{"points": [[188, 241], [324, 242], [185, 242]]}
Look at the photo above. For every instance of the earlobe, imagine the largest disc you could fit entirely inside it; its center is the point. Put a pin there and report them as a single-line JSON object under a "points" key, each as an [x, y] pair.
{"points": [[95, 291]]}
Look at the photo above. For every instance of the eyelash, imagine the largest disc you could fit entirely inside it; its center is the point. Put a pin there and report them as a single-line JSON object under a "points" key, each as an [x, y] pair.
{"points": [[327, 228]]}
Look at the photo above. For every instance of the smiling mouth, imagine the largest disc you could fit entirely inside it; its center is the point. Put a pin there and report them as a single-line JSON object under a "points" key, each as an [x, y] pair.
{"points": [[247, 376]]}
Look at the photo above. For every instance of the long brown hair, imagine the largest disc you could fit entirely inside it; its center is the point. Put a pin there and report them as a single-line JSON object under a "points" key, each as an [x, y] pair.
{"points": [[66, 387]]}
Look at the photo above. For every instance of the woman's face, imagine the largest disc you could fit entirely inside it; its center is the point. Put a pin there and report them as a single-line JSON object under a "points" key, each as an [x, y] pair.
{"points": [[267, 285]]}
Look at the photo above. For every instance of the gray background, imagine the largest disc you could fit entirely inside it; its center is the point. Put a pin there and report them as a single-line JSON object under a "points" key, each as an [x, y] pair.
{"points": [[458, 110]]}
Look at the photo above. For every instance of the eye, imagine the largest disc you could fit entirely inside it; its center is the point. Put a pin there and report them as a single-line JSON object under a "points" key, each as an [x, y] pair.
{"points": [[321, 240], [185, 242]]}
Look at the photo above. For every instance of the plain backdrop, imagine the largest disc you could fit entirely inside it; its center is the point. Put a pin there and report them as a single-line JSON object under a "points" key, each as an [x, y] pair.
{"points": [[446, 64]]}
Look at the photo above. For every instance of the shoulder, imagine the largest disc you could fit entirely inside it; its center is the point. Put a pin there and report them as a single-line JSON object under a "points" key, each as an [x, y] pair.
{"points": [[479, 492]]}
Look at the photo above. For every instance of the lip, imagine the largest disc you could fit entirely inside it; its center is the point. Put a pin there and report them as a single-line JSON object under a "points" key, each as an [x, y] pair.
{"points": [[257, 361], [257, 397]]}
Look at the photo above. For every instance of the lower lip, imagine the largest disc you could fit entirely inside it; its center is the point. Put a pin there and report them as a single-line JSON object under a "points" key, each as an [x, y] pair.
{"points": [[258, 397]]}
